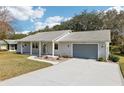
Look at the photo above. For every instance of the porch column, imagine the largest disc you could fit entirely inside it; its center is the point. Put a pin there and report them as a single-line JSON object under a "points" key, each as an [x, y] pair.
{"points": [[53, 47], [39, 49], [21, 48], [30, 48]]}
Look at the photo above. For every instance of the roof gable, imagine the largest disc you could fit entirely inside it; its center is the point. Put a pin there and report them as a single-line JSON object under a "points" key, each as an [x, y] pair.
{"points": [[45, 36]]}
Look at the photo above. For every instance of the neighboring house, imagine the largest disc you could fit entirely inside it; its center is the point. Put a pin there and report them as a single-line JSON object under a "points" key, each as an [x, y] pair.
{"points": [[3, 45], [10, 45], [85, 44]]}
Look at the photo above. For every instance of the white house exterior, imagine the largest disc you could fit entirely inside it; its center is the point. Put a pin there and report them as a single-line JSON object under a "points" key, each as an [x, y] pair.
{"points": [[88, 44]]}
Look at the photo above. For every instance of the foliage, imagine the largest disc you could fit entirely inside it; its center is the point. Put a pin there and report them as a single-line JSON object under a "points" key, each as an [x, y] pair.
{"points": [[122, 49], [114, 58], [6, 29], [19, 36], [66, 56], [82, 22], [114, 49], [101, 59], [96, 21]]}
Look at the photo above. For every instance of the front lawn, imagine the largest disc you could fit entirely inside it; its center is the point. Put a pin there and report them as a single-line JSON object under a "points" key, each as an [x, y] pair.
{"points": [[12, 64], [121, 62], [116, 51]]}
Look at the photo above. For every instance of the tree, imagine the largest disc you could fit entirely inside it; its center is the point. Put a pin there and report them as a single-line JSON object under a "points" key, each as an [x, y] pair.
{"points": [[94, 20], [85, 21], [82, 22], [47, 28], [6, 30], [114, 21], [19, 36]]}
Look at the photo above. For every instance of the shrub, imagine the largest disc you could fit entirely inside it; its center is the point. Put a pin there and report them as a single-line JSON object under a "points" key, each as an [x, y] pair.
{"points": [[101, 59], [65, 56], [114, 58], [57, 58], [46, 57]]}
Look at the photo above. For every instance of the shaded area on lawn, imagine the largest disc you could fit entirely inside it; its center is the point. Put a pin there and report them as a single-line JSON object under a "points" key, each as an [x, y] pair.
{"points": [[12, 64], [121, 61], [115, 50]]}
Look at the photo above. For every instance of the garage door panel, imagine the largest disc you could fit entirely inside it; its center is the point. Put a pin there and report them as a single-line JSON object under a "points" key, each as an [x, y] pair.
{"points": [[85, 50]]}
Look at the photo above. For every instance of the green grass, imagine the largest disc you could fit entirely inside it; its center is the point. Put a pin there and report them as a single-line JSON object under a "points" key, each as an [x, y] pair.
{"points": [[115, 51], [121, 61], [12, 64]]}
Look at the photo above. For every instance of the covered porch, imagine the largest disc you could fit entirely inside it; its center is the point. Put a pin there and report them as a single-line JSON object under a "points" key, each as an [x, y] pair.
{"points": [[37, 48]]}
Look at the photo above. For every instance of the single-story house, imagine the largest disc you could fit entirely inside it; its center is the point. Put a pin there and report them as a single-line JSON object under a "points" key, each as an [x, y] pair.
{"points": [[3, 45], [10, 45], [84, 44]]}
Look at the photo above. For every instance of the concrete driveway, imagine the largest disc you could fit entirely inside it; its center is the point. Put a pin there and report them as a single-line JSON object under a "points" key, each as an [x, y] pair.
{"points": [[72, 72]]}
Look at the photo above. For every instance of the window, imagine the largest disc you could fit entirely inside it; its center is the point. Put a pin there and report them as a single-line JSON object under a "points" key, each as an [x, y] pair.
{"points": [[25, 44], [35, 45], [56, 46]]}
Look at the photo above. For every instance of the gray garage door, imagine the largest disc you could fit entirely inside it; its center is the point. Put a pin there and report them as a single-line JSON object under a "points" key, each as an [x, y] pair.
{"points": [[85, 50]]}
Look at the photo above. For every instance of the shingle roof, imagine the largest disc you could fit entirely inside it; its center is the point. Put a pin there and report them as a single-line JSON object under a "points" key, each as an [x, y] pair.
{"points": [[2, 42], [8, 41], [87, 36], [82, 36], [45, 36], [11, 41]]}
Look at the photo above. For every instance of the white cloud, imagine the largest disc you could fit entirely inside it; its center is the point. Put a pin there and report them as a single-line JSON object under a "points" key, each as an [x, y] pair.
{"points": [[118, 8], [23, 32], [38, 13], [51, 21], [39, 25], [23, 13], [68, 18], [54, 19]]}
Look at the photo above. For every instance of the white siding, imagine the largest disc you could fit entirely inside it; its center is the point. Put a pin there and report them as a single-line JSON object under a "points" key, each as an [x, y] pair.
{"points": [[49, 48], [18, 47], [26, 49], [102, 50], [67, 49], [3, 47], [63, 49], [107, 49]]}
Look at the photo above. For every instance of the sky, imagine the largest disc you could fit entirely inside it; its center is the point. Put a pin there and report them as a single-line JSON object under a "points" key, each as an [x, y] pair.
{"points": [[33, 18]]}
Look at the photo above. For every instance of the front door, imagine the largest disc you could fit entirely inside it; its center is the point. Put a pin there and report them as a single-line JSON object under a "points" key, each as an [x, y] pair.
{"points": [[44, 48]]}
